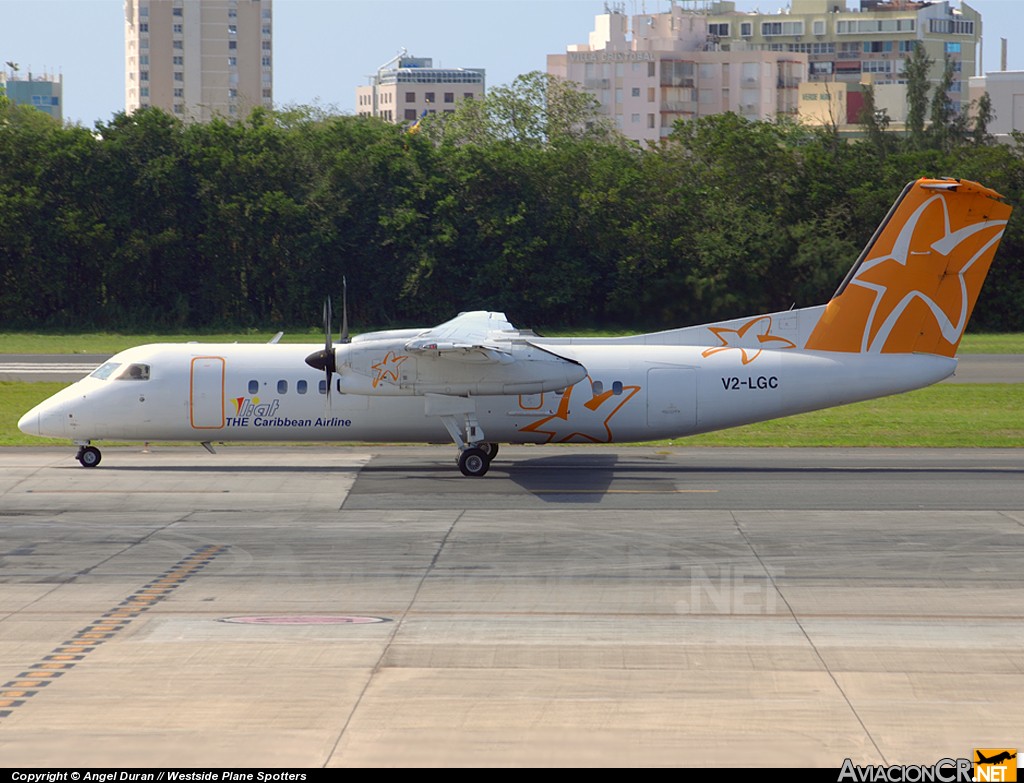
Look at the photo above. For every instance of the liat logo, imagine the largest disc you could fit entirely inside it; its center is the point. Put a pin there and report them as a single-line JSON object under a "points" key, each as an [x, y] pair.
{"points": [[251, 406], [995, 764]]}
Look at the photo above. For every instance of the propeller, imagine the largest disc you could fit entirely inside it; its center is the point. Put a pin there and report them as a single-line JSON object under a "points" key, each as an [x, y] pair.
{"points": [[325, 360]]}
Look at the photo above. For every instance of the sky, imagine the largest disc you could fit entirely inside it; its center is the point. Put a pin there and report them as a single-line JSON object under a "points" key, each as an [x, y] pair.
{"points": [[324, 49]]}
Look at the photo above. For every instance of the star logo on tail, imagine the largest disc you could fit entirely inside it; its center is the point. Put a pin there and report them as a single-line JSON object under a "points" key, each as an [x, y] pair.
{"points": [[753, 336]]}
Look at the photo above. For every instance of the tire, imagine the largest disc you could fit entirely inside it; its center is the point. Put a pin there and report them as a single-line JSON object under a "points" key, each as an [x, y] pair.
{"points": [[474, 462], [490, 449], [89, 457]]}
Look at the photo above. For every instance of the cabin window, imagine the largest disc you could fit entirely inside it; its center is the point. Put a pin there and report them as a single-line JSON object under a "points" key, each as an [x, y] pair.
{"points": [[617, 387], [134, 372], [282, 387], [323, 386], [301, 387], [254, 387], [598, 388], [104, 371]]}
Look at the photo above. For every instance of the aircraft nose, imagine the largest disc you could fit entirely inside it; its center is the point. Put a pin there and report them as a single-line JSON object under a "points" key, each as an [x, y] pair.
{"points": [[29, 423], [47, 418]]}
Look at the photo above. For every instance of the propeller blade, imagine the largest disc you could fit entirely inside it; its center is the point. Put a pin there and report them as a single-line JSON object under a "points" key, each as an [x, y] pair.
{"points": [[344, 339], [324, 360]]}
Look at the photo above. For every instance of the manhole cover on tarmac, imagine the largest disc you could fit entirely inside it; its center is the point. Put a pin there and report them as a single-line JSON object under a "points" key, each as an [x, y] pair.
{"points": [[305, 619]]}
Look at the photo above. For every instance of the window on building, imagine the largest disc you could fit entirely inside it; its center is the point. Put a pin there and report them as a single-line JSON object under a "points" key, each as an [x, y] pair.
{"points": [[635, 92], [265, 61], [232, 92], [177, 12], [650, 68], [232, 13], [232, 29], [178, 29], [782, 28], [721, 29], [410, 114], [179, 108], [179, 76], [449, 97], [650, 120], [144, 92], [179, 92], [144, 10], [232, 44], [468, 96], [268, 93], [232, 61], [266, 46], [746, 29], [952, 48], [144, 59], [178, 44], [143, 27], [428, 97], [410, 97], [266, 29], [177, 60], [635, 119], [144, 76]]}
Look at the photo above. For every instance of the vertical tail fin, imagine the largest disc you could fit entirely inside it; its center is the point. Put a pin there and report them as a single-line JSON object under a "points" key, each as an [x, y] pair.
{"points": [[914, 287]]}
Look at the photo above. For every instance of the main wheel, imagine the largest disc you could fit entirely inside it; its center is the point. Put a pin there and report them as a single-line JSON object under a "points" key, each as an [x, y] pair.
{"points": [[473, 462], [89, 456], [488, 448]]}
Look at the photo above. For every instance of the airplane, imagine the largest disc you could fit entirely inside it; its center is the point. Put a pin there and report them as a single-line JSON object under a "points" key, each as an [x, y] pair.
{"points": [[996, 759], [893, 325]]}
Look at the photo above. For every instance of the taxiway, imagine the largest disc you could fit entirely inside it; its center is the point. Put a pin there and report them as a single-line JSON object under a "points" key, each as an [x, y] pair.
{"points": [[578, 606]]}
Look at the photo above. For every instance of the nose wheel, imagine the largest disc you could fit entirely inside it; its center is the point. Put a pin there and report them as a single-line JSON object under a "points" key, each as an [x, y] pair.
{"points": [[89, 456]]}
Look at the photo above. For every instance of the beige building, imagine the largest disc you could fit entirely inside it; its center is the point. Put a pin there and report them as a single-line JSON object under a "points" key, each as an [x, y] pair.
{"points": [[732, 54], [653, 69], [199, 58], [405, 88], [1006, 91]]}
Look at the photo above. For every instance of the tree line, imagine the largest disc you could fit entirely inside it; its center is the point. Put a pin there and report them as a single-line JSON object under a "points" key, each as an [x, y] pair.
{"points": [[526, 202]]}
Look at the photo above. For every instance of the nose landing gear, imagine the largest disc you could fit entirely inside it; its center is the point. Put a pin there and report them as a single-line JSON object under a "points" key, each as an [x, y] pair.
{"points": [[88, 456]]}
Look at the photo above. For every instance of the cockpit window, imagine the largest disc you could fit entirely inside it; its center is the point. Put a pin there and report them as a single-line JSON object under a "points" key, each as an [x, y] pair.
{"points": [[104, 371], [134, 372]]}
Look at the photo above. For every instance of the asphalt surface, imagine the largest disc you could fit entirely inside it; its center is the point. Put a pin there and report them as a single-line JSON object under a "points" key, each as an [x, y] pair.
{"points": [[577, 606]]}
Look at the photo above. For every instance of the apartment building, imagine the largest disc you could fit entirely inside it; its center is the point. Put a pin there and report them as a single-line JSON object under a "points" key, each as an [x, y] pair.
{"points": [[43, 91], [700, 57], [198, 59], [405, 88]]}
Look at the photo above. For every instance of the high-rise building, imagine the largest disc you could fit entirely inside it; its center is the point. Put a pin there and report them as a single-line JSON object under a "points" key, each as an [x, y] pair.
{"points": [[405, 88], [702, 56], [41, 91], [199, 58]]}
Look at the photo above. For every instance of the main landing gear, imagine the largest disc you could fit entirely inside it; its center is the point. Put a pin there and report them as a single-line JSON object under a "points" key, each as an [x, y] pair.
{"points": [[88, 456], [458, 414]]}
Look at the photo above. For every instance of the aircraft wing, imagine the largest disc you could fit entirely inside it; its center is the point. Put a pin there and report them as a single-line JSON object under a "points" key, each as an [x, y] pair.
{"points": [[478, 336]]}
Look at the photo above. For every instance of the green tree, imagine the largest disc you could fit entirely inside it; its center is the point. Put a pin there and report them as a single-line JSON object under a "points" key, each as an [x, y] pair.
{"points": [[916, 68]]}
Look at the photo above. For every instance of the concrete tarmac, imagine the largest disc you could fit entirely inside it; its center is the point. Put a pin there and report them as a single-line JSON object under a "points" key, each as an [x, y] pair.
{"points": [[578, 606]]}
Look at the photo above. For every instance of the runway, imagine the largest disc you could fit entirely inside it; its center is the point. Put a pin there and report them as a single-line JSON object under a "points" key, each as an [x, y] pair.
{"points": [[577, 606]]}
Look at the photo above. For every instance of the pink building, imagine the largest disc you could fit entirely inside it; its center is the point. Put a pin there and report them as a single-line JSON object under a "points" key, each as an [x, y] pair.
{"points": [[649, 70]]}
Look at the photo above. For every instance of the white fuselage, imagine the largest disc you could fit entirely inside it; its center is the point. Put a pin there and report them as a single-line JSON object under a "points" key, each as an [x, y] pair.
{"points": [[632, 392]]}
